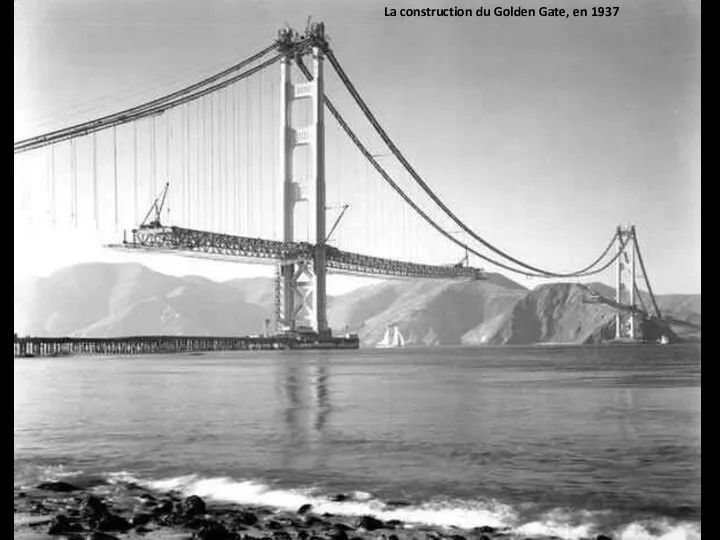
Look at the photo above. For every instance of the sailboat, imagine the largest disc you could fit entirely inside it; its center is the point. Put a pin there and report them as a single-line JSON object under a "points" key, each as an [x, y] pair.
{"points": [[392, 338]]}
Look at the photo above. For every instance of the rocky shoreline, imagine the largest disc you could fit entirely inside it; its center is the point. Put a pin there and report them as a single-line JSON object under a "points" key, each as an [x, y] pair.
{"points": [[130, 511]]}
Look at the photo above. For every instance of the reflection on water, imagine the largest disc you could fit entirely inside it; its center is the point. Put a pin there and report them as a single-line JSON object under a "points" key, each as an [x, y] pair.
{"points": [[305, 398], [322, 397], [627, 415]]}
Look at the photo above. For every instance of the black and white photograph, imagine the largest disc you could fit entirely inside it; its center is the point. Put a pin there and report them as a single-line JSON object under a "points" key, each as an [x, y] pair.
{"points": [[357, 270]]}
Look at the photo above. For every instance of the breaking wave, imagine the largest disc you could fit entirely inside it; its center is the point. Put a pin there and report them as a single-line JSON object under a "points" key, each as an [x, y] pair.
{"points": [[464, 514]]}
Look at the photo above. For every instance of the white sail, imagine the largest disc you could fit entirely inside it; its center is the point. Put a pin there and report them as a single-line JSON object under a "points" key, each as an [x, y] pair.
{"points": [[385, 341], [399, 341], [392, 338]]}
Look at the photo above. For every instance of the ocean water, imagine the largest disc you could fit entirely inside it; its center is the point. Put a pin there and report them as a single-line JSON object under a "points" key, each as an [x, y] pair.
{"points": [[568, 441]]}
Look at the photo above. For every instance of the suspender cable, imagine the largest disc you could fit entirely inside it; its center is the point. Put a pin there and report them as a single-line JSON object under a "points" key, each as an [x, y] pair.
{"points": [[169, 135], [251, 159], [248, 171], [236, 157], [226, 160], [73, 186], [135, 173], [197, 166], [399, 155], [52, 189], [205, 168], [260, 151], [115, 175], [48, 180], [153, 172], [216, 175], [211, 164], [273, 169], [186, 170], [94, 178]]}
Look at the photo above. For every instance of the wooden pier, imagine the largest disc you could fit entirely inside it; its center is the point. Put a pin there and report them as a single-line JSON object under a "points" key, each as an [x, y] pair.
{"points": [[133, 345]]}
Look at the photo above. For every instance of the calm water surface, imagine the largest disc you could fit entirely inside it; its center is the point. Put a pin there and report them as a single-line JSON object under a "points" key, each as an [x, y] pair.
{"points": [[561, 440]]}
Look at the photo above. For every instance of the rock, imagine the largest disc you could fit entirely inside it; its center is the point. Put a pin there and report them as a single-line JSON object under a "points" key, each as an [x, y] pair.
{"points": [[197, 523], [232, 520], [111, 522], [342, 526], [247, 518], [97, 535], [457, 537], [138, 520], [305, 508], [192, 506], [21, 494], [393, 537], [602, 537], [338, 534], [164, 507], [314, 521], [92, 507], [38, 507], [60, 487], [303, 535], [171, 519], [60, 524], [393, 523], [398, 503], [370, 523], [339, 497], [212, 531], [484, 529], [281, 535]]}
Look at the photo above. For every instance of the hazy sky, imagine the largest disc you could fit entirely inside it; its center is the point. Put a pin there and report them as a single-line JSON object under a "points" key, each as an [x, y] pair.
{"points": [[543, 134]]}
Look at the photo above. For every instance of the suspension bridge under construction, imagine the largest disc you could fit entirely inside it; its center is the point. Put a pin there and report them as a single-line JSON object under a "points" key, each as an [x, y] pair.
{"points": [[242, 165]]}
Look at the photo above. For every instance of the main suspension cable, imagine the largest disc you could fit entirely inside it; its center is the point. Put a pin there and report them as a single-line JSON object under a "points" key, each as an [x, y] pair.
{"points": [[133, 112], [44, 140], [647, 281], [399, 155], [336, 114]]}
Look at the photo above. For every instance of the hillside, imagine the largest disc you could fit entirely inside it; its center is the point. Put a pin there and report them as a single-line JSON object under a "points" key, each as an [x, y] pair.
{"points": [[111, 300], [98, 300], [427, 312]]}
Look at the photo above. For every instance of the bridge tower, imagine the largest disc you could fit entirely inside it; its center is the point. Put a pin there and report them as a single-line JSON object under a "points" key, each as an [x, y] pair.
{"points": [[625, 285], [302, 296]]}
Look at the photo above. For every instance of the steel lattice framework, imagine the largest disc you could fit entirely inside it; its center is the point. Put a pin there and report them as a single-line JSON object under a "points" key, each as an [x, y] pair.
{"points": [[186, 241]]}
